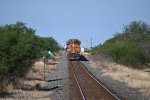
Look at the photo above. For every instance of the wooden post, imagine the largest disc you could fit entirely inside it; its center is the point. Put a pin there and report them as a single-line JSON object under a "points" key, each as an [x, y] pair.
{"points": [[44, 67]]}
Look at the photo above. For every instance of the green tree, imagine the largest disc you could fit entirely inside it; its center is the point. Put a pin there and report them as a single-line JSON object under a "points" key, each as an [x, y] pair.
{"points": [[19, 48], [130, 47]]}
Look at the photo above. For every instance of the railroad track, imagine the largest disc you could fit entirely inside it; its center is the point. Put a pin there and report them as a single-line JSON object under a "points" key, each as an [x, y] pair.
{"points": [[83, 86]]}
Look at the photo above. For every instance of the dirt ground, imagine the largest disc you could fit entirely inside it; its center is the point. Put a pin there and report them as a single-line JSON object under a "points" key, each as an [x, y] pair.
{"points": [[34, 85], [133, 78]]}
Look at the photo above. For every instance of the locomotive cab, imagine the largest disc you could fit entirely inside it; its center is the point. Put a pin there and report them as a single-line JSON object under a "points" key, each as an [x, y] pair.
{"points": [[73, 48]]}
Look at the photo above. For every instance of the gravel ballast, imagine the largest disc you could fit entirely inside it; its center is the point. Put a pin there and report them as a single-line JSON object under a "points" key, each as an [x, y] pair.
{"points": [[120, 89], [58, 81]]}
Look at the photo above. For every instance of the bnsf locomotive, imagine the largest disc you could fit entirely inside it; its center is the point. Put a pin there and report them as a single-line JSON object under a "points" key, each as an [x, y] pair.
{"points": [[73, 48]]}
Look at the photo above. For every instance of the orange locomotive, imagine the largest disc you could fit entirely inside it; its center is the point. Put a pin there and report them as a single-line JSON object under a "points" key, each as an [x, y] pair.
{"points": [[73, 48]]}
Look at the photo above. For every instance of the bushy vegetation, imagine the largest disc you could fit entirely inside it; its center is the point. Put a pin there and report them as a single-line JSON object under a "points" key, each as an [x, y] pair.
{"points": [[131, 47], [19, 48]]}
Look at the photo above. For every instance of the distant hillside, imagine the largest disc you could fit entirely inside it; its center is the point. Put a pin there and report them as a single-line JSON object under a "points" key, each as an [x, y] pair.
{"points": [[130, 47]]}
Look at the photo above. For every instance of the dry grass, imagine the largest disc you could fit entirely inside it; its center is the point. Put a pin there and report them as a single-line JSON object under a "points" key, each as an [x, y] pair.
{"points": [[8, 88], [32, 82], [133, 78], [31, 95], [38, 69]]}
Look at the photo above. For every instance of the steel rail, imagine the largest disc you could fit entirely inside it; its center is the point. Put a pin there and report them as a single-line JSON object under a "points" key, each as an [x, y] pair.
{"points": [[81, 92], [98, 82]]}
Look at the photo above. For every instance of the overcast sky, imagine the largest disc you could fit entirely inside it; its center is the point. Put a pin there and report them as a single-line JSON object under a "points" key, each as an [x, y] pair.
{"points": [[82, 19]]}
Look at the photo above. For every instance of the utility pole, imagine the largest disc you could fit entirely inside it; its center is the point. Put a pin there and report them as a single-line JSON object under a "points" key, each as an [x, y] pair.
{"points": [[91, 42]]}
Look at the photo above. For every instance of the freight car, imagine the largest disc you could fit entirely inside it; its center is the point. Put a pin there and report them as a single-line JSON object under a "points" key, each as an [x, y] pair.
{"points": [[73, 48]]}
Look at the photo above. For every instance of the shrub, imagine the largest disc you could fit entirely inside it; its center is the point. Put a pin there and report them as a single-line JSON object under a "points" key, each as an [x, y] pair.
{"points": [[19, 48], [131, 47], [131, 55]]}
